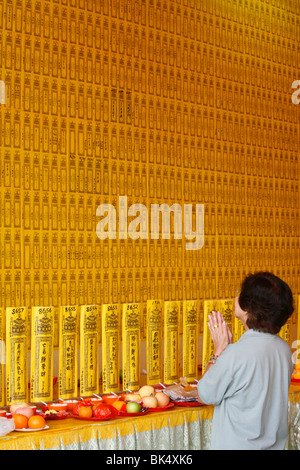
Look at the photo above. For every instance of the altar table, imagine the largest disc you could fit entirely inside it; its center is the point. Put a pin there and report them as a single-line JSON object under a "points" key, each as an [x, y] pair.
{"points": [[179, 428]]}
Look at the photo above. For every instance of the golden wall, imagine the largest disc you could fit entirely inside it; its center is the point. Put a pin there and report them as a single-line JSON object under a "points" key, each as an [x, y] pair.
{"points": [[185, 101]]}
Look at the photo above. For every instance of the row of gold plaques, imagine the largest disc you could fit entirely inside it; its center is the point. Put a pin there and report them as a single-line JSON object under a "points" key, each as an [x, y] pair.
{"points": [[81, 327]]}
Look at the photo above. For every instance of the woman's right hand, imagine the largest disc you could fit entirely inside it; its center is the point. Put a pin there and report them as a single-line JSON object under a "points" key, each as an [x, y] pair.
{"points": [[220, 332]]}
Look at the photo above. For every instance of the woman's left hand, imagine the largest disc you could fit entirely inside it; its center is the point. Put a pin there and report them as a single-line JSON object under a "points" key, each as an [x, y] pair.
{"points": [[220, 332]]}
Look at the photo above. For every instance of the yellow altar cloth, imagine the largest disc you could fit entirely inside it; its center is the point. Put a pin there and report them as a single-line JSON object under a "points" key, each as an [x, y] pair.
{"points": [[178, 428]]}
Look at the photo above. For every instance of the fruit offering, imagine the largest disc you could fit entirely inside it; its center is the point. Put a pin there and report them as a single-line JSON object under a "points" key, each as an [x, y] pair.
{"points": [[162, 399], [21, 421], [22, 409], [85, 412], [100, 411], [133, 397], [103, 411], [150, 402], [77, 407], [147, 397], [53, 414], [34, 422], [120, 405], [133, 407], [146, 391], [152, 398]]}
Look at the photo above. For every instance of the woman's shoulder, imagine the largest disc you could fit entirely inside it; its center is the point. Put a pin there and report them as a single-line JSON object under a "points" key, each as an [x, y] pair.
{"points": [[253, 343]]}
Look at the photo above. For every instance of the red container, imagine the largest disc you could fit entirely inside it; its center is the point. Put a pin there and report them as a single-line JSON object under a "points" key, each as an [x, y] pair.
{"points": [[110, 399], [57, 406], [70, 404], [33, 407], [95, 401]]}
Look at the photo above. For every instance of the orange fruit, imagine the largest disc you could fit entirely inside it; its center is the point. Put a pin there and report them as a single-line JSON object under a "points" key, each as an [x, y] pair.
{"points": [[85, 412], [118, 404], [77, 408], [21, 421], [36, 422]]}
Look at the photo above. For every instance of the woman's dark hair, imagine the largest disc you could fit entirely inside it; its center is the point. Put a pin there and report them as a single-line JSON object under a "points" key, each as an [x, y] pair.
{"points": [[268, 301]]}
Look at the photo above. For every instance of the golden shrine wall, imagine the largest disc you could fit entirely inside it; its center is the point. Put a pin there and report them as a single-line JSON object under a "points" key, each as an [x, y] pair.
{"points": [[185, 101]]}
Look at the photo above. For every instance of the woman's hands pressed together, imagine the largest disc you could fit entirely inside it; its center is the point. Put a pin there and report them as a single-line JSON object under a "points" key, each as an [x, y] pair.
{"points": [[220, 332]]}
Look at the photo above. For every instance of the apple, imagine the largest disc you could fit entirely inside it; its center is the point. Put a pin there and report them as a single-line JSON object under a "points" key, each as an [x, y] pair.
{"points": [[25, 411], [133, 407], [13, 408]]}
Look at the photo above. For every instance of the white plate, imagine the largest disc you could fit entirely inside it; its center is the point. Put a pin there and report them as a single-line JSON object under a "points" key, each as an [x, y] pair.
{"points": [[32, 430]]}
